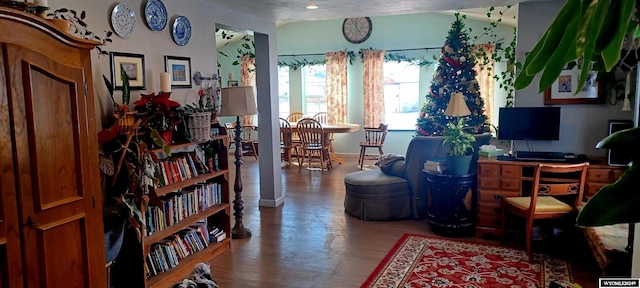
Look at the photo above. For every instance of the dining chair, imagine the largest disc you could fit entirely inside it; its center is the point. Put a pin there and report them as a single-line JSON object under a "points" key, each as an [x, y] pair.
{"points": [[323, 118], [373, 138], [289, 149], [557, 192], [249, 144], [294, 117], [313, 143], [230, 133]]}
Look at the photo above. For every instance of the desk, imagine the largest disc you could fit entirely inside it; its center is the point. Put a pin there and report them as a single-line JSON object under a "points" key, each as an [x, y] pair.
{"points": [[498, 179]]}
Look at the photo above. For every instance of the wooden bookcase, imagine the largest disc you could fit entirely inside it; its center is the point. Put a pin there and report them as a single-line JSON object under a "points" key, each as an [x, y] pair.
{"points": [[217, 215]]}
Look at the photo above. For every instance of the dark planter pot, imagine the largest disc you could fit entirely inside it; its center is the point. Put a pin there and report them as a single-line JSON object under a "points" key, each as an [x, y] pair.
{"points": [[458, 165]]}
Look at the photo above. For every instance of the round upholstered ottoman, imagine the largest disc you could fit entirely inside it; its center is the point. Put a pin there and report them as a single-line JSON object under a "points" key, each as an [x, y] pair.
{"points": [[373, 195]]}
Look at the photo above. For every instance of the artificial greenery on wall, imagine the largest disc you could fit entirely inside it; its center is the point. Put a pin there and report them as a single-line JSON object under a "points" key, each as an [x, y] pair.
{"points": [[80, 27]]}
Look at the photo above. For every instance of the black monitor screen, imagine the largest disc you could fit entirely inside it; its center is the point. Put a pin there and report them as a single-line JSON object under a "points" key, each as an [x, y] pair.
{"points": [[529, 123]]}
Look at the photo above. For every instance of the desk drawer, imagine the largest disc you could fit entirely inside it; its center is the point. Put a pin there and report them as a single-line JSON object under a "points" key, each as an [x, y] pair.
{"points": [[489, 170], [510, 171], [495, 196], [488, 183], [591, 189], [510, 184], [599, 175], [489, 220]]}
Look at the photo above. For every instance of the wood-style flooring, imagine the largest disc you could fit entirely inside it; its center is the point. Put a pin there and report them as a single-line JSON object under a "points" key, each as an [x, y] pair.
{"points": [[310, 241]]}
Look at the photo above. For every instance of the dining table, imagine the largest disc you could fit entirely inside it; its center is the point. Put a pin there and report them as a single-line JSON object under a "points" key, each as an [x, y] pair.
{"points": [[329, 129]]}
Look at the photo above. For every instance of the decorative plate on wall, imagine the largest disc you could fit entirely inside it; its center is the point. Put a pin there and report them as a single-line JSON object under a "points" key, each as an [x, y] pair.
{"points": [[123, 20], [155, 14], [181, 31]]}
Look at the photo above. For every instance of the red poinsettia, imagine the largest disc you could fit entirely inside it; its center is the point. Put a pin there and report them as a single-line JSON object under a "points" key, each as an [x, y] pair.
{"points": [[161, 111]]}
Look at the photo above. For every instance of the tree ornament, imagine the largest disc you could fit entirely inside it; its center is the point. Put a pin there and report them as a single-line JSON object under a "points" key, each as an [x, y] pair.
{"points": [[463, 59]]}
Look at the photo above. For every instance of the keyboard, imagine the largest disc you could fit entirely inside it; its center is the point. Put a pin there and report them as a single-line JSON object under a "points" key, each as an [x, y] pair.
{"points": [[540, 156]]}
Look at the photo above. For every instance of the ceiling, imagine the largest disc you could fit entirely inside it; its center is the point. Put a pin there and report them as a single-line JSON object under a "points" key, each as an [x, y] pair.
{"points": [[286, 11]]}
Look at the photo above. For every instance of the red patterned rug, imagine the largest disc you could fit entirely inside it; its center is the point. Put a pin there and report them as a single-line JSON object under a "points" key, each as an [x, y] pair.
{"points": [[423, 261]]}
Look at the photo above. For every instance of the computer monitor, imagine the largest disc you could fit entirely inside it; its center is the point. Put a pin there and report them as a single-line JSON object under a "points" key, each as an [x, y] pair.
{"points": [[529, 123]]}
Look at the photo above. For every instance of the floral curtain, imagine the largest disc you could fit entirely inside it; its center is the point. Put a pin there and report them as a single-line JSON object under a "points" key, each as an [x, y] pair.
{"points": [[484, 75], [248, 78], [336, 86], [373, 87]]}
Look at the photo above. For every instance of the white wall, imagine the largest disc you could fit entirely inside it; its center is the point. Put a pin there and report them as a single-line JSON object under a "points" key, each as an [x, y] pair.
{"points": [[582, 125]]}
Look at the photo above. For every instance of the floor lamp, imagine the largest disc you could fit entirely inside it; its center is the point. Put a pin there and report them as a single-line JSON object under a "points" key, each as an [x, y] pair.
{"points": [[238, 101]]}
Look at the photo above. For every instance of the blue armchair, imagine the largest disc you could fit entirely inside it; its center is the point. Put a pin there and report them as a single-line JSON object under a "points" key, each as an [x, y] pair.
{"points": [[400, 191]]}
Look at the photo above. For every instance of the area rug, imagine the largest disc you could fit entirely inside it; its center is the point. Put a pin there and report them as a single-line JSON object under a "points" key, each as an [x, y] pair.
{"points": [[426, 261]]}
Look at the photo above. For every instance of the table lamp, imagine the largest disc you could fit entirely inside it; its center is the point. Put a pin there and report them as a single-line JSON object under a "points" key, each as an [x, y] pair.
{"points": [[457, 107], [238, 101]]}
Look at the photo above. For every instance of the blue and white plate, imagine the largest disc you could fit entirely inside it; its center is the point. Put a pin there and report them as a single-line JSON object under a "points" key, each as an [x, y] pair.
{"points": [[123, 20], [181, 30], [155, 15]]}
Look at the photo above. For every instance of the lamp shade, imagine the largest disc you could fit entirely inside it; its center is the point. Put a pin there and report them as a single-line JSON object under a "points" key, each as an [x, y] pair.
{"points": [[457, 107], [238, 101]]}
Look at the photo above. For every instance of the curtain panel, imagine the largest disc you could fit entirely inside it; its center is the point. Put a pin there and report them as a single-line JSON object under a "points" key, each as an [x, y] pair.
{"points": [[248, 78], [336, 67], [484, 75], [373, 87]]}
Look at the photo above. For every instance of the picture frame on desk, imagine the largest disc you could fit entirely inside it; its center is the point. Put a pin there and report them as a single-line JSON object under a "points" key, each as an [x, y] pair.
{"points": [[563, 90]]}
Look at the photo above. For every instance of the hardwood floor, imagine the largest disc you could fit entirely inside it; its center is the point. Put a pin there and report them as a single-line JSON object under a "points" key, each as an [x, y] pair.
{"points": [[311, 242]]}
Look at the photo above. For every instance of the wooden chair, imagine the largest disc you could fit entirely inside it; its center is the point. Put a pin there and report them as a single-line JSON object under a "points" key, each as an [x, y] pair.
{"points": [[373, 138], [248, 143], [294, 117], [323, 118], [230, 133], [553, 186], [313, 143], [288, 148]]}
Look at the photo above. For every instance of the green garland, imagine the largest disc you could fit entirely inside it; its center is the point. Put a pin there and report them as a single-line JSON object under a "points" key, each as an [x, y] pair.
{"points": [[388, 57]]}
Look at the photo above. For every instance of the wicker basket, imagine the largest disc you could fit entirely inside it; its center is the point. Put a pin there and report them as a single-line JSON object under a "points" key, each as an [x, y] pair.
{"points": [[198, 126]]}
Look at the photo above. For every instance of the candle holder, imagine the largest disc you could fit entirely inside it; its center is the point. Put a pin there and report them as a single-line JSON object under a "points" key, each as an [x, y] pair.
{"points": [[41, 11]]}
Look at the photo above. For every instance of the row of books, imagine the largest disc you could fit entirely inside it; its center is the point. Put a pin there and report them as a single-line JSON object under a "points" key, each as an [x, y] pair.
{"points": [[179, 205], [435, 165], [167, 253], [179, 167]]}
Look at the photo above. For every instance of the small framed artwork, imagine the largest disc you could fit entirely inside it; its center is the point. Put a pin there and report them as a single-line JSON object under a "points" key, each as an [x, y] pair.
{"points": [[133, 65], [565, 89], [180, 70], [232, 83]]}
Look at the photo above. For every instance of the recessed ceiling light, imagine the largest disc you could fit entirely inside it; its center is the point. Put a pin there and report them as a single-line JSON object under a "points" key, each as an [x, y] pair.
{"points": [[312, 6]]}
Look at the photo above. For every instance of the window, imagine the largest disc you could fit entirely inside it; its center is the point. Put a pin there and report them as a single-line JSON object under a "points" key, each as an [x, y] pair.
{"points": [[284, 102], [401, 95], [315, 87]]}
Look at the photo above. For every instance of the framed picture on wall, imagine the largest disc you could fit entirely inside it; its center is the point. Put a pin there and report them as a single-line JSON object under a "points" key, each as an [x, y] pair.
{"points": [[565, 89], [133, 65], [179, 68]]}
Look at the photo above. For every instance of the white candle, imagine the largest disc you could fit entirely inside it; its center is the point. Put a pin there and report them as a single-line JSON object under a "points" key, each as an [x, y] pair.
{"points": [[165, 82], [42, 3], [627, 86], [230, 76]]}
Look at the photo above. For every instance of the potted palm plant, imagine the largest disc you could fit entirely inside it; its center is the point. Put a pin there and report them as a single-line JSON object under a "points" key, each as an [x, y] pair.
{"points": [[460, 142]]}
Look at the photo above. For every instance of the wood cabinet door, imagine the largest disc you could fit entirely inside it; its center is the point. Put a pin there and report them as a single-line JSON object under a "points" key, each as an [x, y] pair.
{"points": [[57, 165], [10, 250]]}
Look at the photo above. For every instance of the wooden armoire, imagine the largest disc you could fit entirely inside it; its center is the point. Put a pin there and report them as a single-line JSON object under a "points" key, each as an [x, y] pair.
{"points": [[51, 231]]}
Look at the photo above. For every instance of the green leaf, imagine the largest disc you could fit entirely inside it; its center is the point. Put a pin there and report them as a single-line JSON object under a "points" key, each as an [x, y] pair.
{"points": [[558, 59], [611, 53], [585, 42], [125, 86]]}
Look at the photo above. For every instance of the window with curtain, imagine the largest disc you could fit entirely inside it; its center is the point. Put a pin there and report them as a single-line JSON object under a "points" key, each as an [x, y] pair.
{"points": [[401, 95], [283, 88], [314, 89]]}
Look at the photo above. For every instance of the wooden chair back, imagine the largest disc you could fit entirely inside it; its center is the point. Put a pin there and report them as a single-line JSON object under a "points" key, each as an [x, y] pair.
{"points": [[286, 139], [294, 117], [322, 117], [374, 136], [311, 133], [559, 180]]}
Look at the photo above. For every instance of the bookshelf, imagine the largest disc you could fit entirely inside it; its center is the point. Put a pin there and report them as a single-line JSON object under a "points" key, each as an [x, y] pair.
{"points": [[193, 203]]}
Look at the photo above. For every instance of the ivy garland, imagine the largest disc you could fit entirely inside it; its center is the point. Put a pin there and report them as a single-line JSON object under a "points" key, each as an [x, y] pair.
{"points": [[388, 57]]}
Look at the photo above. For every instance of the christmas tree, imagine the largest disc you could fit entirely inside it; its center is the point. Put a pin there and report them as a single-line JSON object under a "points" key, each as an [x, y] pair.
{"points": [[454, 74]]}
